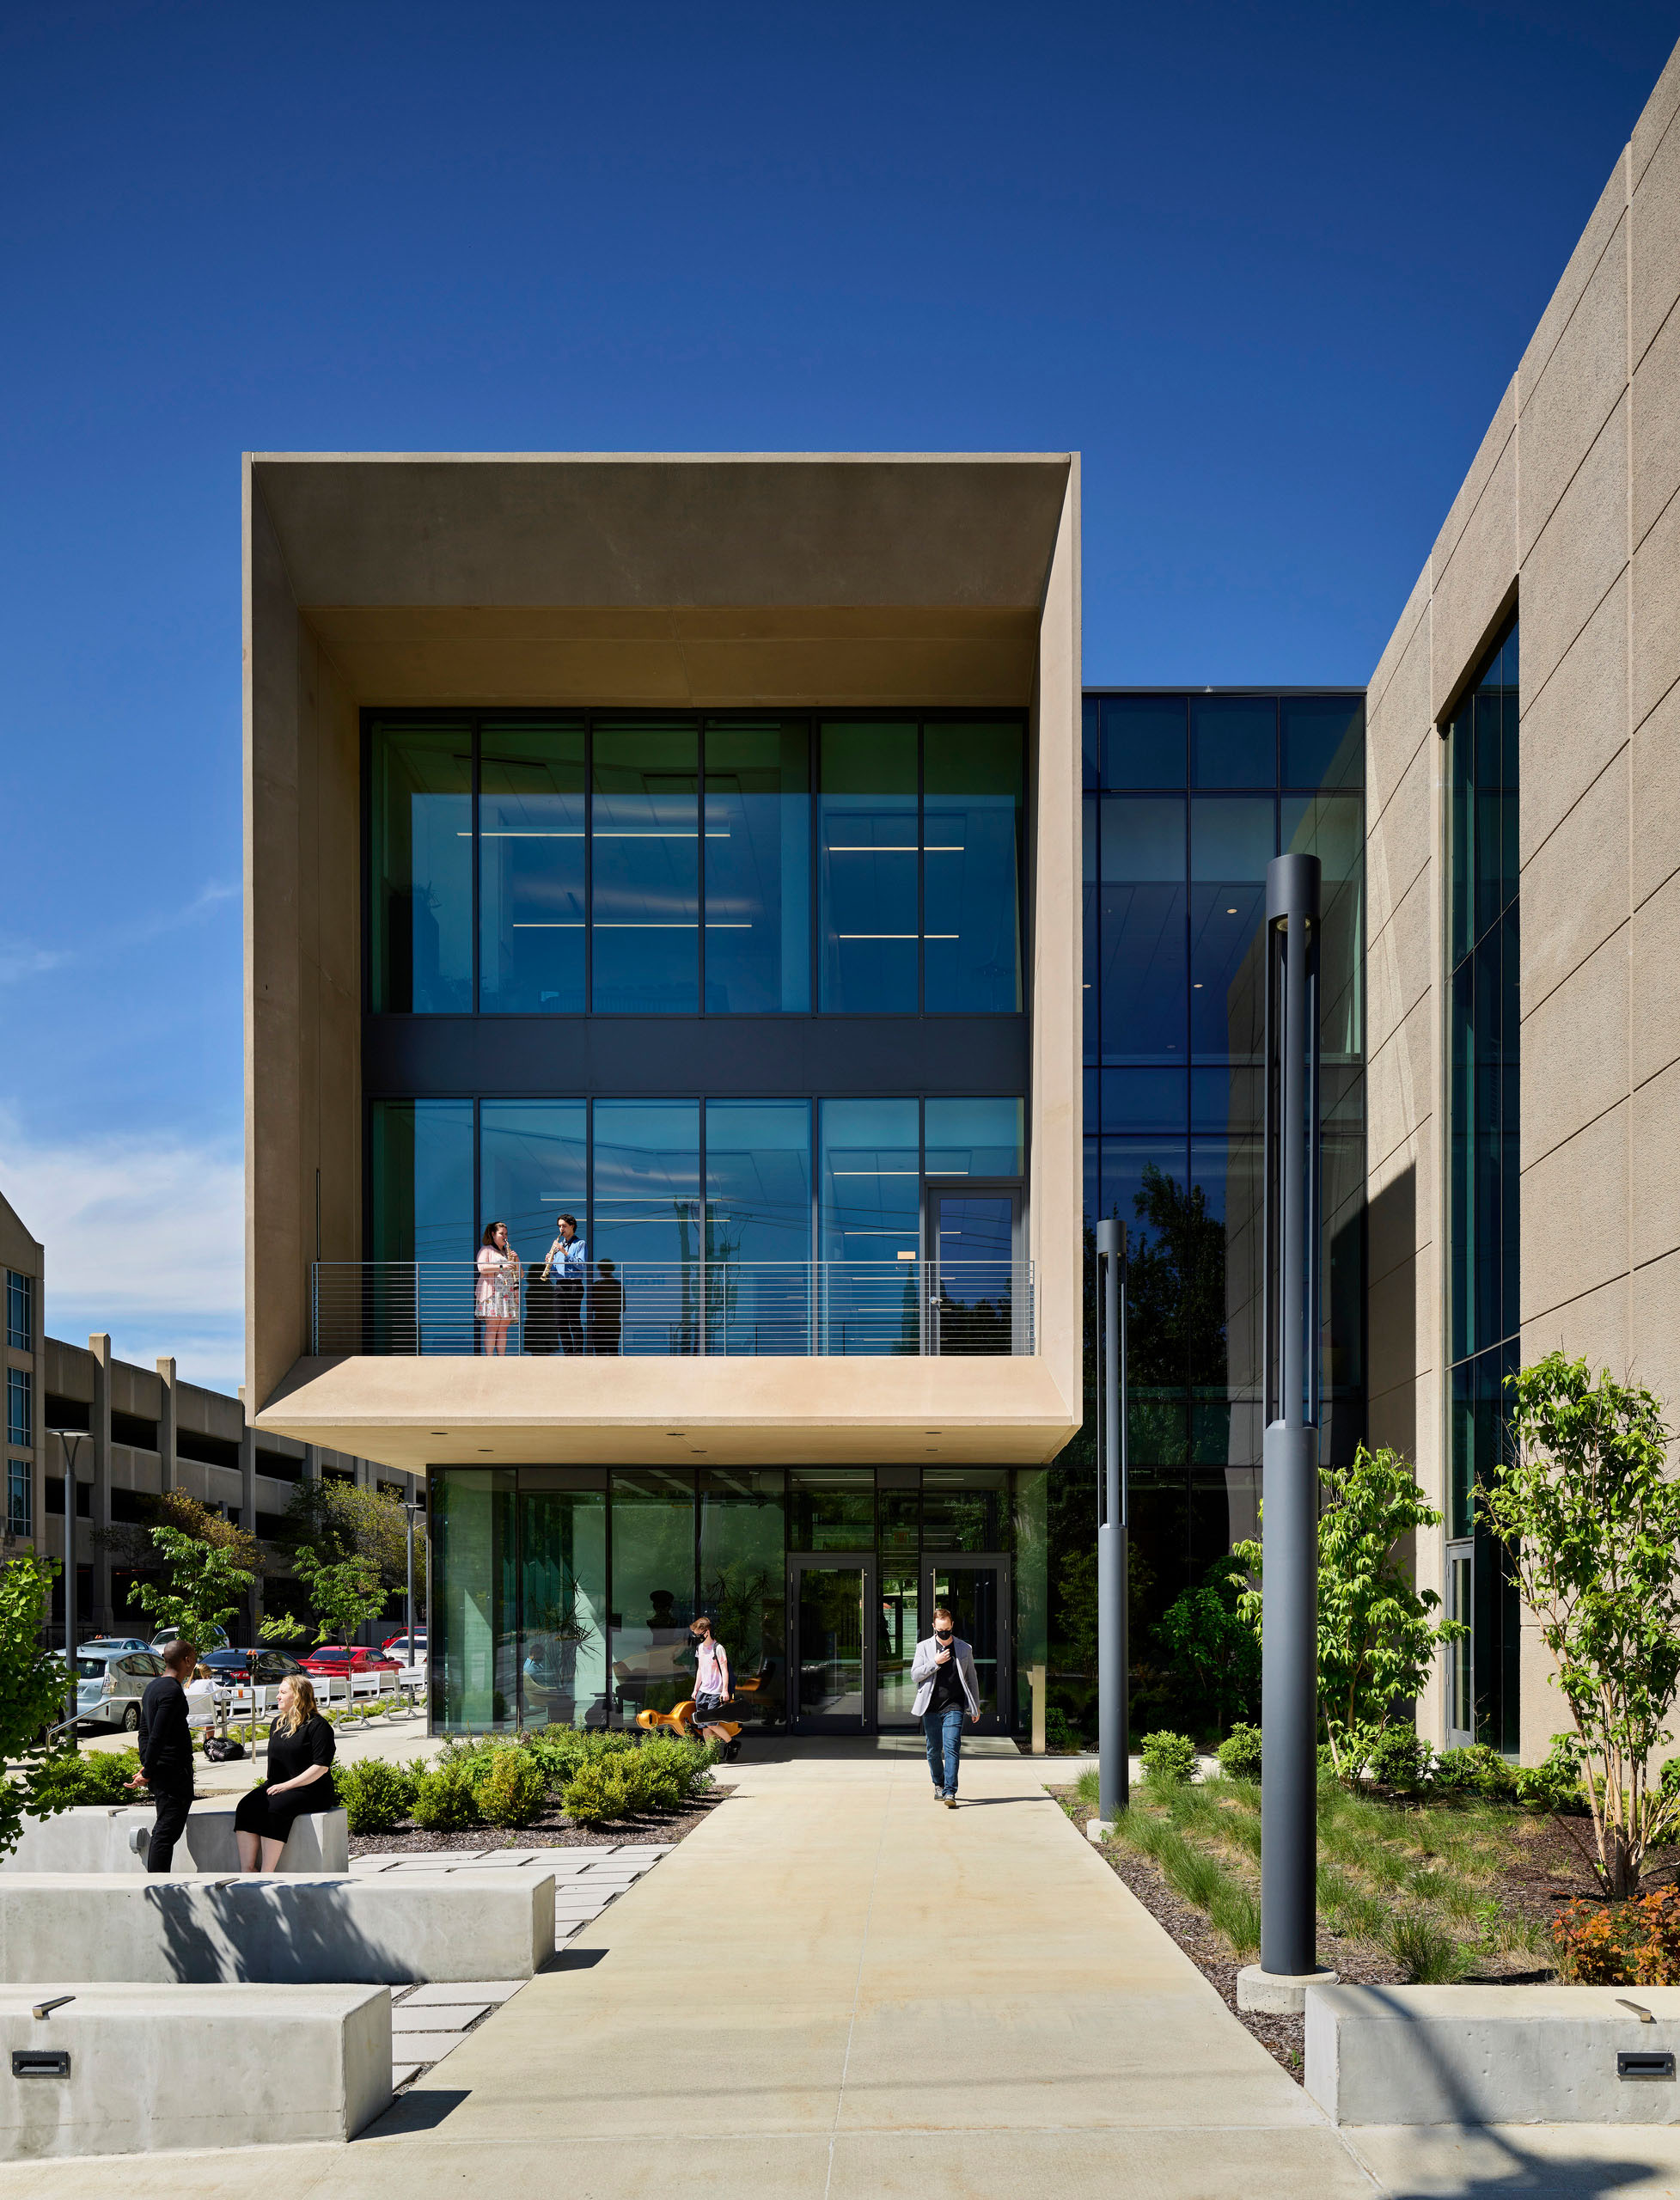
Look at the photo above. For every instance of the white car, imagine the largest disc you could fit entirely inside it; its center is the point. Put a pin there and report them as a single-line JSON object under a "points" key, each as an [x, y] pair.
{"points": [[109, 1684]]}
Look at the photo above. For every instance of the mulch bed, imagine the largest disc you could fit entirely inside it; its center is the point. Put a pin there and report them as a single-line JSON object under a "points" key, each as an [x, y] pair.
{"points": [[1548, 1870], [553, 1829]]}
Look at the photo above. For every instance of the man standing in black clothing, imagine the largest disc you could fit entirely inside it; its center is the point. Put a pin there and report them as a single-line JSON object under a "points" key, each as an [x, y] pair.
{"points": [[166, 1752]]}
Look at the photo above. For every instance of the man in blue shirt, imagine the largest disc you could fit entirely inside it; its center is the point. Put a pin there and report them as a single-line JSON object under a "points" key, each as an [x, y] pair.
{"points": [[568, 1264]]}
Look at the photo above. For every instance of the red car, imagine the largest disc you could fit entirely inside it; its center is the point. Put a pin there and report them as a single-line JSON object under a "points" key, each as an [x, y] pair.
{"points": [[333, 1661]]}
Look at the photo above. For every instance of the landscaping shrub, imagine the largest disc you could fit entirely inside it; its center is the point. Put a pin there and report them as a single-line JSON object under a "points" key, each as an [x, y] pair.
{"points": [[1239, 1753], [595, 1793], [1058, 1734], [1168, 1758], [1190, 1871], [1425, 1950], [376, 1796], [69, 1777], [1398, 1759], [1555, 1785], [513, 1788], [1634, 1943], [1235, 1911], [1480, 1770], [446, 1801]]}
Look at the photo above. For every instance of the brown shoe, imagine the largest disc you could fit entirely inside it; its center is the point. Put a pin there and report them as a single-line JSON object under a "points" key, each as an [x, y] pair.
{"points": [[949, 1801]]}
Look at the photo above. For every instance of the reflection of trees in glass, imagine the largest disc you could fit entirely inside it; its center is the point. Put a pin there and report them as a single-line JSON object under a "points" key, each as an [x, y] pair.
{"points": [[1214, 1652], [1175, 1296]]}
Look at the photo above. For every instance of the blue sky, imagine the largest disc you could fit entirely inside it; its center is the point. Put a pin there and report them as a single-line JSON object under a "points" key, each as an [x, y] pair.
{"points": [[1268, 267]]}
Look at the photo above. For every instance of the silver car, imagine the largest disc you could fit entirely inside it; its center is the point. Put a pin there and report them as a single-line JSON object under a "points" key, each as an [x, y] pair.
{"points": [[109, 1684]]}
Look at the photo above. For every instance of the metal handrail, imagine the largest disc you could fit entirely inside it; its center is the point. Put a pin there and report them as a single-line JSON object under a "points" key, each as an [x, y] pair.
{"points": [[677, 1309]]}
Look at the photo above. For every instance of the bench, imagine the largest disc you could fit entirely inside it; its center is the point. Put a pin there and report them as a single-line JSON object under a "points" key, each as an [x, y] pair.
{"points": [[246, 2066], [1493, 2054], [296, 1929], [101, 1838]]}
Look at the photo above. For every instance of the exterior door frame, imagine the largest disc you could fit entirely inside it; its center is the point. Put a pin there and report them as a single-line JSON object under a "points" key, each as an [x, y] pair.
{"points": [[1002, 1722], [832, 1561], [934, 1188]]}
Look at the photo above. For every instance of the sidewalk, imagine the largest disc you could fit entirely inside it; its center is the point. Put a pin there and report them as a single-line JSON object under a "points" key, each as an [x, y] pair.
{"points": [[833, 1990]]}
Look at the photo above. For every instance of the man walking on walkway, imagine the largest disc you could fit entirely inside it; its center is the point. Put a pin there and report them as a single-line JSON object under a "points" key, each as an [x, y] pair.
{"points": [[946, 1686], [166, 1753]]}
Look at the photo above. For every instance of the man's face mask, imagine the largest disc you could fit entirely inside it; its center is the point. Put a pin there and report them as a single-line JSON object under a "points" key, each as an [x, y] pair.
{"points": [[942, 1634]]}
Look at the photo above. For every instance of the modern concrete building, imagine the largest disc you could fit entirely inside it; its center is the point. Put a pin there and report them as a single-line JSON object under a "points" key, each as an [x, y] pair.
{"points": [[24, 1272], [1523, 861]]}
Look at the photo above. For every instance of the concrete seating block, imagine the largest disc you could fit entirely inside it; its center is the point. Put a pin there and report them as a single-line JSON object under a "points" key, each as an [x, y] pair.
{"points": [[1493, 2054], [101, 1838], [276, 1930], [155, 2068]]}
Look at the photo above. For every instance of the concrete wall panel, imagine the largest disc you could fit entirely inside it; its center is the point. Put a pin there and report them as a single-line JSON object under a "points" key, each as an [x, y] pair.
{"points": [[1575, 1217], [1399, 852], [1656, 426], [1476, 581], [1656, 1330], [1656, 638], [1415, 614], [1399, 1084], [1576, 723], [1575, 886], [1655, 248], [1466, 506], [1399, 724], [1655, 1206], [1660, 112], [1656, 982], [1399, 964], [1580, 1031], [1565, 406], [1577, 554]]}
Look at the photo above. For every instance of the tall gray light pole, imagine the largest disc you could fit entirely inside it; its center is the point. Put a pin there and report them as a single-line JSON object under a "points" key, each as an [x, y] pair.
{"points": [[70, 1441], [1289, 1643], [1113, 1693], [408, 1515]]}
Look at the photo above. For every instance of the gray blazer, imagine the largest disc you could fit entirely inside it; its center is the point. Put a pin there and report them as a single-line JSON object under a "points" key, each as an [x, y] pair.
{"points": [[924, 1665]]}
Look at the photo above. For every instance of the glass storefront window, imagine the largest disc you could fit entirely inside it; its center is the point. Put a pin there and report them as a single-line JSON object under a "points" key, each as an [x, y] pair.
{"points": [[965, 1508], [1032, 1583], [531, 869], [421, 899], [473, 1610], [974, 794], [644, 882], [1143, 945], [743, 1584], [1233, 741], [1231, 842], [533, 1162], [422, 1171], [758, 868], [562, 1590], [653, 1591], [975, 1138], [646, 1209], [868, 842], [830, 1508], [758, 1212], [1143, 741]]}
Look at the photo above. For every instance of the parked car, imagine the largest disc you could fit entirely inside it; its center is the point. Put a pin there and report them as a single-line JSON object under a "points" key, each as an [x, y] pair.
{"points": [[396, 1646], [333, 1661], [109, 1684], [214, 1639], [114, 1644], [231, 1668]]}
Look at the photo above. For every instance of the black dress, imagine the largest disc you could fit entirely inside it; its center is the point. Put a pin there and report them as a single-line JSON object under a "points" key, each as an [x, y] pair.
{"points": [[271, 1816]]}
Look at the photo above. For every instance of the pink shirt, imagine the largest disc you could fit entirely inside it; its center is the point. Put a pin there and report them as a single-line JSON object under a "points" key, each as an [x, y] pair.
{"points": [[709, 1664]]}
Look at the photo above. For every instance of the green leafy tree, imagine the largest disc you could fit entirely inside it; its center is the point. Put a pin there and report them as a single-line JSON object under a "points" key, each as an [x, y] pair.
{"points": [[1590, 1520], [344, 1593], [341, 1520], [1378, 1633], [203, 1586], [1214, 1651], [33, 1685]]}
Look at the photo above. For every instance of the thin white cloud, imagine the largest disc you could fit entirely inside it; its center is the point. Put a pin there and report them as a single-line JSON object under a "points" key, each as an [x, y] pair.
{"points": [[21, 959], [145, 1237]]}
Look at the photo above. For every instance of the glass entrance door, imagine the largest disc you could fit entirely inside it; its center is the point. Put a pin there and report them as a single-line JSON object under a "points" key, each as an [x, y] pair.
{"points": [[831, 1601], [972, 1237], [977, 1590]]}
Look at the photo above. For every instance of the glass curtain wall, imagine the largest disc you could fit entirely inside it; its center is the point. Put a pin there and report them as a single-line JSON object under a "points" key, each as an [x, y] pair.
{"points": [[1187, 797], [532, 864], [758, 1211], [1483, 1322], [743, 1539], [473, 1607], [644, 1293], [562, 1517]]}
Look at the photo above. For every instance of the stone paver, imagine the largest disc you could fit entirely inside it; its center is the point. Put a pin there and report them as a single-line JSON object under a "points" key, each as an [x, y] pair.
{"points": [[493, 1990], [426, 2016]]}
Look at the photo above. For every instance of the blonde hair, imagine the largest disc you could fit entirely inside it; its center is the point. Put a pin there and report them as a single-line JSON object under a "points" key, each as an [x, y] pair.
{"points": [[287, 1721]]}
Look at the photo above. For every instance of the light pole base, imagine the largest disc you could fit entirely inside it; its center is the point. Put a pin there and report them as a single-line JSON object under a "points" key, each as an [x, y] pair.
{"points": [[1097, 1829], [1276, 1994]]}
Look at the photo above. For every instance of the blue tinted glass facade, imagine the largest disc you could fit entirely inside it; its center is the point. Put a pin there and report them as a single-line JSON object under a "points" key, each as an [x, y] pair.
{"points": [[1483, 932], [1188, 797]]}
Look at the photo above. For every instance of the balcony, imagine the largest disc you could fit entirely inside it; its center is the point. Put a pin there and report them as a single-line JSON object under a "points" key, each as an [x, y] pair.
{"points": [[678, 1309]]}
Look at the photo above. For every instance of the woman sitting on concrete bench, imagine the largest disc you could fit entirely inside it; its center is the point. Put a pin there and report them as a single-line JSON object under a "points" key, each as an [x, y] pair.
{"points": [[301, 1750]]}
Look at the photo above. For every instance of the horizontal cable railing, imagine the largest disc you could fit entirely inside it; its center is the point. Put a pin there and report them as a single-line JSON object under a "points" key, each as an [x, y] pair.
{"points": [[665, 1309]]}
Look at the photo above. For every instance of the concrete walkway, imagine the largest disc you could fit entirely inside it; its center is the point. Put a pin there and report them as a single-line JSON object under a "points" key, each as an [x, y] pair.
{"points": [[834, 1988]]}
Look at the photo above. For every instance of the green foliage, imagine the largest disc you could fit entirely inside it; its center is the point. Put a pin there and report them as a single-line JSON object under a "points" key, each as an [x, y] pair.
{"points": [[513, 1789], [280, 1627], [1378, 1633], [342, 1520], [1239, 1753], [1169, 1759], [376, 1796], [1215, 1652], [1590, 1521], [595, 1793], [206, 1585], [1398, 1759], [344, 1593], [69, 1777], [1556, 1784], [1235, 1911], [32, 1687], [444, 1801], [1424, 1950], [1058, 1734], [1088, 1787]]}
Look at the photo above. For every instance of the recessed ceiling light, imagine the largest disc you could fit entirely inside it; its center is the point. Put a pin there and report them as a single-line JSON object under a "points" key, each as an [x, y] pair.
{"points": [[485, 1448], [933, 1432], [1230, 912], [440, 1432]]}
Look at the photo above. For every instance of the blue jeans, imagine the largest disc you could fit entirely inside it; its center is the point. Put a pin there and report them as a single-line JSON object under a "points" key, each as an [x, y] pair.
{"points": [[943, 1730]]}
